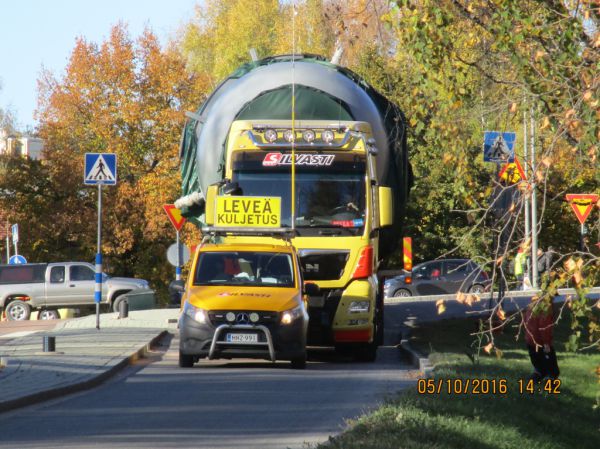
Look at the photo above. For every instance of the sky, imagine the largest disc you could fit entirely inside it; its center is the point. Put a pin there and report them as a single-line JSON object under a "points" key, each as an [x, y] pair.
{"points": [[42, 33]]}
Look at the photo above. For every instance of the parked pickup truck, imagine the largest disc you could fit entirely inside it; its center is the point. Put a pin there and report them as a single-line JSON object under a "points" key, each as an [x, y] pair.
{"points": [[51, 286]]}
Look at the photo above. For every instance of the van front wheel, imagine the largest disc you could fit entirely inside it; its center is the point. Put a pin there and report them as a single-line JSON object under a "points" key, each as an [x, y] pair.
{"points": [[185, 360]]}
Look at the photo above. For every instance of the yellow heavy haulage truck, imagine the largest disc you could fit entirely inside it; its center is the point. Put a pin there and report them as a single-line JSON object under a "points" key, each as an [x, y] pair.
{"points": [[343, 199]]}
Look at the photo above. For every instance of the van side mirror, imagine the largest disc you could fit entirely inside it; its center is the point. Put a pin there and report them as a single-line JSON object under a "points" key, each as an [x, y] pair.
{"points": [[386, 217], [311, 289], [176, 289]]}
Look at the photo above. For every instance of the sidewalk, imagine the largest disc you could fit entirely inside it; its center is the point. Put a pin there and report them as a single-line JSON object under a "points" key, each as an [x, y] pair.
{"points": [[84, 356]]}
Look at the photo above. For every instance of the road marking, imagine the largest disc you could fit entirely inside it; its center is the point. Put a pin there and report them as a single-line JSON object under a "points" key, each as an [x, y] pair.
{"points": [[17, 334]]}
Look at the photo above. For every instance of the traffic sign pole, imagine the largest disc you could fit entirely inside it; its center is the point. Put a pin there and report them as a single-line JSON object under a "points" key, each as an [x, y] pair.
{"points": [[7, 243], [534, 219], [178, 267], [98, 285]]}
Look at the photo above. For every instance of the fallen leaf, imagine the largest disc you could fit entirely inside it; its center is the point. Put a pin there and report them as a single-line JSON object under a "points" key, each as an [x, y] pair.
{"points": [[587, 95], [539, 55], [461, 297], [488, 348]]}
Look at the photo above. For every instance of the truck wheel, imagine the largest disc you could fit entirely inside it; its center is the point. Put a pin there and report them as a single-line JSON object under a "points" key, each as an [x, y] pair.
{"points": [[185, 360], [49, 315], [365, 352], [18, 310], [117, 302], [299, 362]]}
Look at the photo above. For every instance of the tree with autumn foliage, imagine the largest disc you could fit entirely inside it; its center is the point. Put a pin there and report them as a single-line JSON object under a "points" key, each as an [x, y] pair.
{"points": [[125, 97]]}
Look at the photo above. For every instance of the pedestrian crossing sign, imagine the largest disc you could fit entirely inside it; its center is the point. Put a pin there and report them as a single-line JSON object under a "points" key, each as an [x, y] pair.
{"points": [[100, 168]]}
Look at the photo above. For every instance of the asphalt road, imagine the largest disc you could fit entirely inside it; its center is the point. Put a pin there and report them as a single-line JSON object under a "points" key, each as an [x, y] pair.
{"points": [[217, 404]]}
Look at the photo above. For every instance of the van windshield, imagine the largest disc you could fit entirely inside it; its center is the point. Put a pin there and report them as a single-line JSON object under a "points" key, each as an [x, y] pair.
{"points": [[261, 269]]}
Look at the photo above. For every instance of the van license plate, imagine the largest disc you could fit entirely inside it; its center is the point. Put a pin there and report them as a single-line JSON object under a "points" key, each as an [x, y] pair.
{"points": [[242, 338]]}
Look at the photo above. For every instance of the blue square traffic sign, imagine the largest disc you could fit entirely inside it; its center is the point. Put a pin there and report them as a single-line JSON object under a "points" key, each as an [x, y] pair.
{"points": [[499, 147], [100, 168]]}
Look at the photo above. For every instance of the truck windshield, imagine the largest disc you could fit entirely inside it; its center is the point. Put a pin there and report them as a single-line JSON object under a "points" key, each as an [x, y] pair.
{"points": [[262, 269], [323, 199]]}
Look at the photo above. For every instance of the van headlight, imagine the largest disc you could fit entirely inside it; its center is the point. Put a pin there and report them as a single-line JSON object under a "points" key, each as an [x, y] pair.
{"points": [[289, 316], [359, 307], [194, 313]]}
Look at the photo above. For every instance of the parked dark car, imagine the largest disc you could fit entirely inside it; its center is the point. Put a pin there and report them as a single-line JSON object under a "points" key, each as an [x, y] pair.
{"points": [[439, 277]]}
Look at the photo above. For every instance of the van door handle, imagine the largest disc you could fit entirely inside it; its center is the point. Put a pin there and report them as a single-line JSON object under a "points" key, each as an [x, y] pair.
{"points": [[72, 285]]}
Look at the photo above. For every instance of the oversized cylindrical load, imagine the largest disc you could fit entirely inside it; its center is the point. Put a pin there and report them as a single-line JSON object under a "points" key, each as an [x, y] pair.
{"points": [[262, 91]]}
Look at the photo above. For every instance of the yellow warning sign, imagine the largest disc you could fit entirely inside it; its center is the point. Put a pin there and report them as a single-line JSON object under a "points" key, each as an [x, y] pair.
{"points": [[248, 211], [512, 172]]}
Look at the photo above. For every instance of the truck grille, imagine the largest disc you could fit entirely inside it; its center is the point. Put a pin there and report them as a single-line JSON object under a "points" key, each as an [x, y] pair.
{"points": [[323, 265]]}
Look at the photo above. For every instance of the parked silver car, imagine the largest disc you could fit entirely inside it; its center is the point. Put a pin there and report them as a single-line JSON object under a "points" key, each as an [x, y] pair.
{"points": [[48, 287]]}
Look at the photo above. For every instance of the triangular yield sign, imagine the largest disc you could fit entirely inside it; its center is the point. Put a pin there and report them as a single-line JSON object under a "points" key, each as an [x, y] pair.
{"points": [[174, 215], [582, 204], [512, 172]]}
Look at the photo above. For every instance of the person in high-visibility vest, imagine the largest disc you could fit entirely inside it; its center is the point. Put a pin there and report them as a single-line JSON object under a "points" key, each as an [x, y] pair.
{"points": [[520, 262]]}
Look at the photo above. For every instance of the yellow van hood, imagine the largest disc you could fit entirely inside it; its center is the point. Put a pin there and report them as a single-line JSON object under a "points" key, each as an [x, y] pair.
{"points": [[221, 297]]}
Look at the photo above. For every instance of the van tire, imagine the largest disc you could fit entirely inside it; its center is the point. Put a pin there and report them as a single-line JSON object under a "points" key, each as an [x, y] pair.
{"points": [[185, 360], [18, 310], [299, 362]]}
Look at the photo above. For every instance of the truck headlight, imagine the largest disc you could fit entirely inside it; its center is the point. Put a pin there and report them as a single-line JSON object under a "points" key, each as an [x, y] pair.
{"points": [[359, 307], [289, 316], [194, 313]]}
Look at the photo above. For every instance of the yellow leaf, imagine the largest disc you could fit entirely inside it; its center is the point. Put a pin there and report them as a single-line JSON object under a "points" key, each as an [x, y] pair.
{"points": [[587, 95], [501, 314], [441, 307], [570, 113], [461, 297], [513, 108], [488, 348], [499, 353], [547, 161], [570, 264], [545, 123], [539, 55]]}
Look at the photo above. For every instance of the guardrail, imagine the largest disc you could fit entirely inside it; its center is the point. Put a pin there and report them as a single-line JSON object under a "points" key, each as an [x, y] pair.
{"points": [[483, 296]]}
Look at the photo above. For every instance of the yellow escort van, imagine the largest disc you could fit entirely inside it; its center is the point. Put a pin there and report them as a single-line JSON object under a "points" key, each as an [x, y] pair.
{"points": [[244, 300]]}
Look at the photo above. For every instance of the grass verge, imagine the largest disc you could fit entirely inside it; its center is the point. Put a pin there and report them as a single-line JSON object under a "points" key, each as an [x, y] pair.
{"points": [[514, 419]]}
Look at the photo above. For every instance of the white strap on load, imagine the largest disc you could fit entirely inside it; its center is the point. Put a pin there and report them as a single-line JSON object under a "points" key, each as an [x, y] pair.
{"points": [[193, 199]]}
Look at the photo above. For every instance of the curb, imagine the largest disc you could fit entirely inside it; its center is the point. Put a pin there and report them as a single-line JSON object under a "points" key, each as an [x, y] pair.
{"points": [[54, 393], [418, 360]]}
